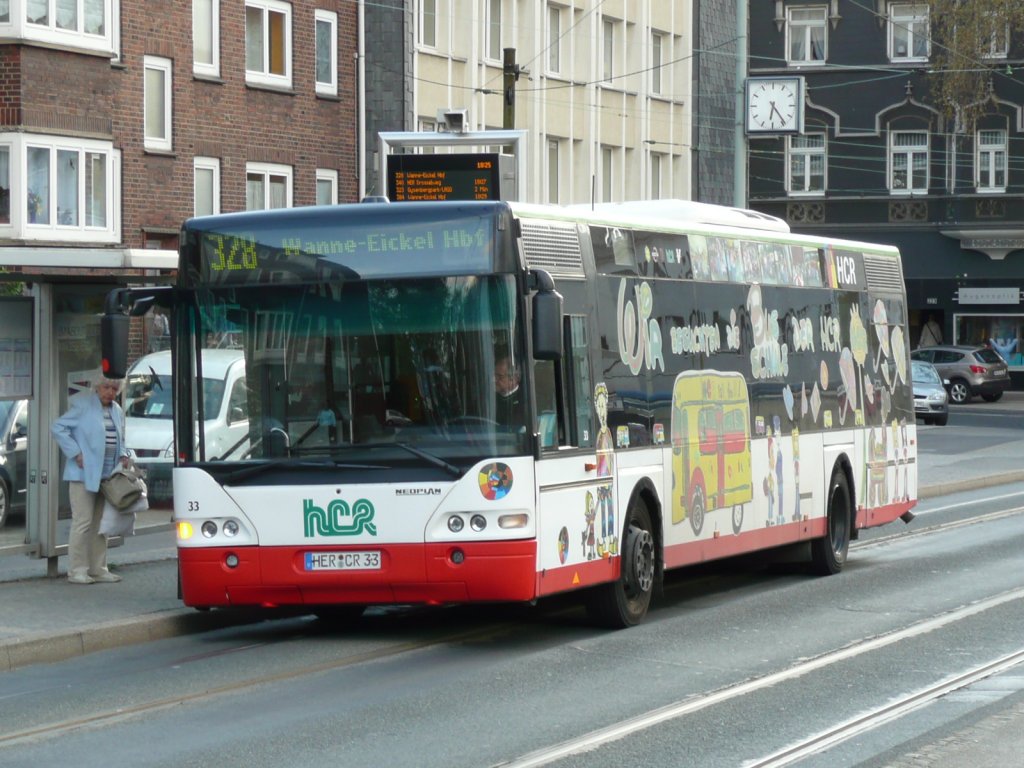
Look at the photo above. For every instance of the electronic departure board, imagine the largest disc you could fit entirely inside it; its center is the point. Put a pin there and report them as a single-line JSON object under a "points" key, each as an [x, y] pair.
{"points": [[444, 177]]}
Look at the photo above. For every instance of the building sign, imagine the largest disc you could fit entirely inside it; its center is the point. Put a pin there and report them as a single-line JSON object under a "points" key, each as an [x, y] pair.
{"points": [[988, 296], [15, 347], [444, 177]]}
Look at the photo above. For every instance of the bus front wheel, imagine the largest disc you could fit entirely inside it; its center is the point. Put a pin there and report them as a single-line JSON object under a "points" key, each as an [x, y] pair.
{"points": [[828, 554], [624, 602]]}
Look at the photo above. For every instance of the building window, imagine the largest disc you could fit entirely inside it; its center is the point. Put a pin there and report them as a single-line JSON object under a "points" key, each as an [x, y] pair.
{"points": [[607, 50], [908, 32], [428, 23], [656, 163], [326, 187], [998, 37], [656, 62], [908, 161], [206, 37], [76, 23], [806, 164], [60, 188], [553, 171], [157, 98], [267, 186], [493, 25], [607, 174], [554, 41], [207, 185], [327, 53], [268, 43], [806, 34], [990, 160]]}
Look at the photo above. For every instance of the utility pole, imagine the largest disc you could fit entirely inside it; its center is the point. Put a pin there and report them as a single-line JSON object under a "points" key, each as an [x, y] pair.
{"points": [[511, 75]]}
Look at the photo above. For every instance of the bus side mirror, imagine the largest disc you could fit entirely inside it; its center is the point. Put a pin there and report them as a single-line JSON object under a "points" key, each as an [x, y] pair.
{"points": [[114, 344], [547, 317]]}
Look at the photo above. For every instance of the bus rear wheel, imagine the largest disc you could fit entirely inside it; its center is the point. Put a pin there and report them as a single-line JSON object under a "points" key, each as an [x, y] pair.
{"points": [[624, 602], [828, 554]]}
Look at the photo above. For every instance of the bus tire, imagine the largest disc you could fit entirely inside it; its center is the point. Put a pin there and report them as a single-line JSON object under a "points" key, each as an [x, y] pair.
{"points": [[737, 518], [698, 505], [624, 602], [828, 554]]}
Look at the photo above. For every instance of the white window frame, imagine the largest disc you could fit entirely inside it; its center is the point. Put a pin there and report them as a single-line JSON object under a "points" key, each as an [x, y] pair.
{"points": [[806, 153], [264, 76], [607, 174], [154, 142], [426, 23], [331, 176], [553, 27], [908, 151], [906, 17], [999, 45], [608, 35], [803, 28], [203, 19], [993, 152], [266, 170], [657, 61], [330, 18], [552, 161], [211, 164], [492, 31], [19, 228], [19, 27]]}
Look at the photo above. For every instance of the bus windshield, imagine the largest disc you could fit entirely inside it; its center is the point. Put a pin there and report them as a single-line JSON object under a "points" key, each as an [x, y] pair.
{"points": [[366, 370]]}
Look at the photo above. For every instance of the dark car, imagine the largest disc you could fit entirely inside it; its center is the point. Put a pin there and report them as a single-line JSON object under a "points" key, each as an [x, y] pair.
{"points": [[13, 454], [931, 403], [971, 370]]}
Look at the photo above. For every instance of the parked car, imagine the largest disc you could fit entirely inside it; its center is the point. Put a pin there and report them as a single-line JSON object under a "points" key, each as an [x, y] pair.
{"points": [[931, 402], [13, 457], [149, 429], [971, 370]]}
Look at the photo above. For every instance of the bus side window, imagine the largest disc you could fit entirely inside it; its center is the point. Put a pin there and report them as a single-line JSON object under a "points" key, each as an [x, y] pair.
{"points": [[580, 384], [547, 402]]}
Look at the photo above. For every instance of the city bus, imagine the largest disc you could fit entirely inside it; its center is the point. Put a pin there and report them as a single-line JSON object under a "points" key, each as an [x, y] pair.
{"points": [[688, 382]]}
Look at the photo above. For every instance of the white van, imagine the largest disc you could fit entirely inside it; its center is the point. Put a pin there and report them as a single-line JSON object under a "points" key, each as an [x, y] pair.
{"points": [[149, 430]]}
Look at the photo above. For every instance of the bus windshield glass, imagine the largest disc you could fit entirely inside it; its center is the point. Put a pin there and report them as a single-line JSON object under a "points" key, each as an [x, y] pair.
{"points": [[362, 371]]}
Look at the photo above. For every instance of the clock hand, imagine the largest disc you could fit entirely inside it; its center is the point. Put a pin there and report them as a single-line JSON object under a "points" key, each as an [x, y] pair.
{"points": [[775, 111]]}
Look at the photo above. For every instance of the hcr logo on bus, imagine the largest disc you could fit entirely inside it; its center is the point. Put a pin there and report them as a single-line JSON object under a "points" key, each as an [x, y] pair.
{"points": [[339, 519]]}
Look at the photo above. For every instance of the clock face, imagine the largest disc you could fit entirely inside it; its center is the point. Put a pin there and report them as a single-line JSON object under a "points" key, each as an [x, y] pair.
{"points": [[773, 105]]}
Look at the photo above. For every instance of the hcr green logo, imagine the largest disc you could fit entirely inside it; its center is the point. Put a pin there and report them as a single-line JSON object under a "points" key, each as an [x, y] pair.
{"points": [[339, 519]]}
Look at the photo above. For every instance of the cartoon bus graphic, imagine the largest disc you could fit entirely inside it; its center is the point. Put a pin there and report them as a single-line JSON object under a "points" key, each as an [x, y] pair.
{"points": [[710, 447]]}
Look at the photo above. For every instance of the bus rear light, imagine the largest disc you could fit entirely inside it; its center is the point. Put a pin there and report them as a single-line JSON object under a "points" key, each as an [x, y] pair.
{"points": [[455, 523], [185, 530], [457, 556], [519, 520], [231, 560], [478, 523], [209, 529]]}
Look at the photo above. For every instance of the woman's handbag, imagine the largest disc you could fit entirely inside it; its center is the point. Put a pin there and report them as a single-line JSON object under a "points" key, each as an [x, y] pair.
{"points": [[124, 487]]}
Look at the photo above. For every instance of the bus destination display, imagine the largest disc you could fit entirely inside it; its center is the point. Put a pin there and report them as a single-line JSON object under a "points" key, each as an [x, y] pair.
{"points": [[444, 177]]}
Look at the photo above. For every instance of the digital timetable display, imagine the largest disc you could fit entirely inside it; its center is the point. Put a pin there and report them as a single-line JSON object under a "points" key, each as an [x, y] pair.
{"points": [[444, 177]]}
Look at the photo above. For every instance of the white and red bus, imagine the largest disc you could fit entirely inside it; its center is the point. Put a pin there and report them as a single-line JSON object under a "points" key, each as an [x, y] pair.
{"points": [[688, 382]]}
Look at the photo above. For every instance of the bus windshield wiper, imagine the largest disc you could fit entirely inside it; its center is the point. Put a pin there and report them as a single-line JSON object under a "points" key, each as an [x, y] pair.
{"points": [[258, 469], [437, 461]]}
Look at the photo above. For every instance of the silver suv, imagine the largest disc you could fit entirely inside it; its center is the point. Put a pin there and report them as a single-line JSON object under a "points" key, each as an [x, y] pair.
{"points": [[971, 370]]}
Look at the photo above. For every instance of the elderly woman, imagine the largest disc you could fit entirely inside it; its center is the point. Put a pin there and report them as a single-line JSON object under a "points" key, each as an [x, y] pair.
{"points": [[91, 436]]}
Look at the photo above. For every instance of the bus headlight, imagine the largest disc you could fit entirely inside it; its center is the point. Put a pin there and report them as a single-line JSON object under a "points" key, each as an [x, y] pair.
{"points": [[478, 523], [230, 528], [455, 523], [209, 529], [519, 520]]}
